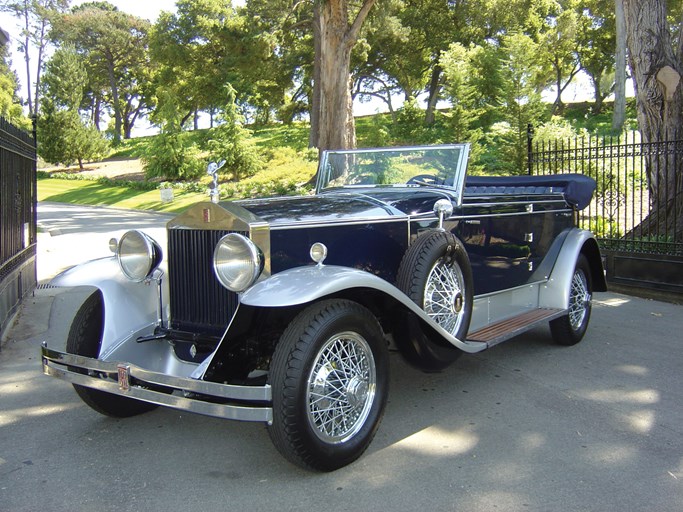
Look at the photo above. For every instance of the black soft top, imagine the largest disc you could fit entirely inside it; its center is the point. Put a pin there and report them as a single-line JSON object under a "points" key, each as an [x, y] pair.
{"points": [[577, 188]]}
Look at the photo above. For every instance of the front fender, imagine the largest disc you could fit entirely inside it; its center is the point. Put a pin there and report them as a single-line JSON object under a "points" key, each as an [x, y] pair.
{"points": [[304, 285], [129, 307]]}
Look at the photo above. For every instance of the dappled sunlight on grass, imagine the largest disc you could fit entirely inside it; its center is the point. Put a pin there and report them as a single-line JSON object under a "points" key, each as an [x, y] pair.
{"points": [[97, 194]]}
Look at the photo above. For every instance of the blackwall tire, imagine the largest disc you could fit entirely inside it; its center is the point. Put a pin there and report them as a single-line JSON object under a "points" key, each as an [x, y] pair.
{"points": [[329, 378], [435, 273], [570, 328], [84, 339]]}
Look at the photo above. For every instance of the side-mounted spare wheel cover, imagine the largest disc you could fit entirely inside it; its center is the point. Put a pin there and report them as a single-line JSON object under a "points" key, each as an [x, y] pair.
{"points": [[435, 273]]}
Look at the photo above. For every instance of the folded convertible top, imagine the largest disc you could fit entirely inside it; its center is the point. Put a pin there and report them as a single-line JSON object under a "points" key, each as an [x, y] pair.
{"points": [[577, 188]]}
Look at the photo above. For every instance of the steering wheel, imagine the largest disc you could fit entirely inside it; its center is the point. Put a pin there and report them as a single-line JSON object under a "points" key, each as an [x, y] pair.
{"points": [[425, 179]]}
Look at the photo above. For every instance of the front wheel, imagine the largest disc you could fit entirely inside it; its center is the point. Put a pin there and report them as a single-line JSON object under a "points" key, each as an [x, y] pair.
{"points": [[570, 328], [84, 339], [329, 378]]}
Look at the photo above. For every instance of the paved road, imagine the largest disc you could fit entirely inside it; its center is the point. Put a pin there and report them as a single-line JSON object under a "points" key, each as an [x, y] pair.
{"points": [[526, 426], [70, 234]]}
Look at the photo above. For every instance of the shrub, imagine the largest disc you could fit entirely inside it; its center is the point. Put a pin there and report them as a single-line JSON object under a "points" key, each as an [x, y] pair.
{"points": [[231, 142], [171, 155]]}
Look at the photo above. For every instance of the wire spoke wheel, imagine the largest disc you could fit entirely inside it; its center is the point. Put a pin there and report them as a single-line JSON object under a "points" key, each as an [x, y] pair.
{"points": [[435, 273], [329, 377], [444, 295], [570, 328], [341, 387], [579, 299]]}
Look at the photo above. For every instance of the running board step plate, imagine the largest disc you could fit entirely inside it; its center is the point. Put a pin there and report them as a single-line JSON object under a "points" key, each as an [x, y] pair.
{"points": [[510, 327]]}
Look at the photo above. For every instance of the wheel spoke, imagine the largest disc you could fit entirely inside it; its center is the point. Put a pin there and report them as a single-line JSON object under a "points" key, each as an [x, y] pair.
{"points": [[341, 387], [579, 299], [443, 289]]}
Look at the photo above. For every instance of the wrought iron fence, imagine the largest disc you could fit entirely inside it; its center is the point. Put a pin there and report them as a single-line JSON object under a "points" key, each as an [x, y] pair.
{"points": [[17, 198], [624, 200]]}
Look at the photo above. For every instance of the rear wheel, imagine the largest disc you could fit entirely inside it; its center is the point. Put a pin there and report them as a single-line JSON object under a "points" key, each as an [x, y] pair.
{"points": [[329, 377], [85, 339], [570, 329]]}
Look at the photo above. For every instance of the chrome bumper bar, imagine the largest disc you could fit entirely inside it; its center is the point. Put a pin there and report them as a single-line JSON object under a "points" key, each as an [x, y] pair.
{"points": [[131, 381]]}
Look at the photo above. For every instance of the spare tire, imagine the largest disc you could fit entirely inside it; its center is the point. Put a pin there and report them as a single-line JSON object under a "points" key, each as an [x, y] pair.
{"points": [[435, 273]]}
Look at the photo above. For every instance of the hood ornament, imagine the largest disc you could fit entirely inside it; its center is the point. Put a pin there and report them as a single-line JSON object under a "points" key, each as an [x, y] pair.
{"points": [[212, 170]]}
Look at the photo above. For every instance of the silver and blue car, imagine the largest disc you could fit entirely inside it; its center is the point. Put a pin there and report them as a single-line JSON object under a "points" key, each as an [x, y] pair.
{"points": [[283, 310]]}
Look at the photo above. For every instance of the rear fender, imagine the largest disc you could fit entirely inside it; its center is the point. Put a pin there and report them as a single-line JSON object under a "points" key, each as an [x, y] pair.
{"points": [[555, 292]]}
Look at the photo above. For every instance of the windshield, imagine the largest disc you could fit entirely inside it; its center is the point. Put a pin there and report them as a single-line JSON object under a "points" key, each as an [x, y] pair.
{"points": [[419, 166]]}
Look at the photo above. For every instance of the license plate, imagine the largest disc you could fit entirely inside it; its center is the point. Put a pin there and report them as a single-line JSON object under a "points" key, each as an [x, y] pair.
{"points": [[124, 377]]}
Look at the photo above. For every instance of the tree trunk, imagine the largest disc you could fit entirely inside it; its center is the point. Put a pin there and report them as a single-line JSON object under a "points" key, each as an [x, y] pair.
{"points": [[656, 70], [619, 115], [558, 106], [118, 119], [335, 57], [597, 94], [336, 127], [315, 94], [97, 111], [434, 87], [41, 54], [27, 59]]}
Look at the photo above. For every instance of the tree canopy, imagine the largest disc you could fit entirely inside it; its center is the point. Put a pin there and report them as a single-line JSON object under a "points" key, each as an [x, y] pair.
{"points": [[307, 59]]}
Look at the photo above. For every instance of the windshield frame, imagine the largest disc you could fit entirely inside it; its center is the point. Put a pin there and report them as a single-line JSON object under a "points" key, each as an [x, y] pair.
{"points": [[456, 186]]}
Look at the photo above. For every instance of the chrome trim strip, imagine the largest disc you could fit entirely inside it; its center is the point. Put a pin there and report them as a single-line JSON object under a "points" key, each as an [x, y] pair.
{"points": [[525, 285], [327, 223], [60, 365], [525, 203], [426, 216]]}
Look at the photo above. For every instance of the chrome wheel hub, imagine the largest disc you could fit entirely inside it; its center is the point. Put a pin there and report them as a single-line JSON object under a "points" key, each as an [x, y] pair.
{"points": [[341, 387]]}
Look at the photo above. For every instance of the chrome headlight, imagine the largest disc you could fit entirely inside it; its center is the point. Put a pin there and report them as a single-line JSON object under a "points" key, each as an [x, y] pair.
{"points": [[138, 255], [237, 262]]}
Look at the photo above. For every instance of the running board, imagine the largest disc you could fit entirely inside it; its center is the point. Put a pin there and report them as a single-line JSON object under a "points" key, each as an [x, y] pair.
{"points": [[506, 329]]}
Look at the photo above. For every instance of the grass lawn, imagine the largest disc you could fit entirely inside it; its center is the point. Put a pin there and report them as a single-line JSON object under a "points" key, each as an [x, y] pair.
{"points": [[97, 194]]}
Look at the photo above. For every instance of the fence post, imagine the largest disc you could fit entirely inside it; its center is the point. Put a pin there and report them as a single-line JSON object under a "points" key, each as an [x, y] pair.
{"points": [[529, 148]]}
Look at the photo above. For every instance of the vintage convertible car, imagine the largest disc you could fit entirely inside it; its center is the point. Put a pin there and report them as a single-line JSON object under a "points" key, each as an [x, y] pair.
{"points": [[283, 310]]}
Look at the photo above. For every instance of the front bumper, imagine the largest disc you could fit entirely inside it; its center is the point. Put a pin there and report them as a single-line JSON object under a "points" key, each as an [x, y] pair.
{"points": [[243, 403]]}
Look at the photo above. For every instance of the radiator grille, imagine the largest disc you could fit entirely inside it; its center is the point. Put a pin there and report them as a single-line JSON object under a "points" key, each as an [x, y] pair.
{"points": [[198, 301]]}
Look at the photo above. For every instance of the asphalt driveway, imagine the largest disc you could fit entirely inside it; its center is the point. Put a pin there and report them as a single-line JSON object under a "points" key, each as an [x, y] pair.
{"points": [[525, 426]]}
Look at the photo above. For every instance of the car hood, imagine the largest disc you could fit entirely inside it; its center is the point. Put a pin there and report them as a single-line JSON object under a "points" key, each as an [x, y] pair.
{"points": [[363, 204]]}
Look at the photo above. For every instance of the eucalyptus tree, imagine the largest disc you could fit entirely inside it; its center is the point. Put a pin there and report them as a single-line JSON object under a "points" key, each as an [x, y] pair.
{"points": [[116, 47], [35, 17]]}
